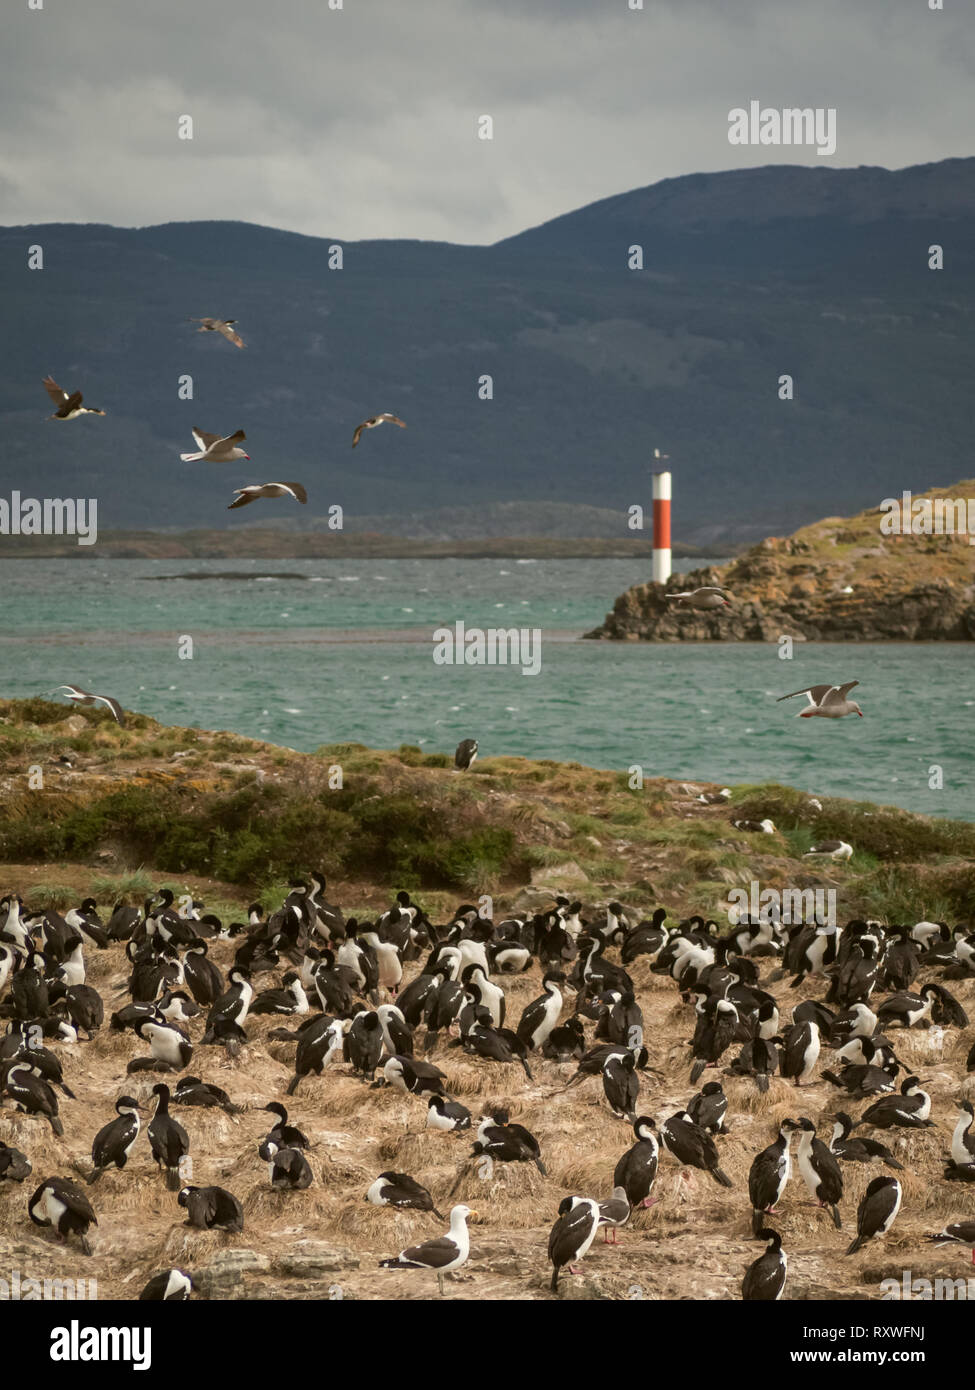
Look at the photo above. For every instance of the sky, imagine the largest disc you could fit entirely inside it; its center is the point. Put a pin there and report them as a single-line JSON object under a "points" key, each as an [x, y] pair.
{"points": [[361, 122]]}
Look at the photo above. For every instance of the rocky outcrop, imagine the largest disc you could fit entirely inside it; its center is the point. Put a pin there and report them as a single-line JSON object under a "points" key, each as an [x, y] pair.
{"points": [[838, 581]]}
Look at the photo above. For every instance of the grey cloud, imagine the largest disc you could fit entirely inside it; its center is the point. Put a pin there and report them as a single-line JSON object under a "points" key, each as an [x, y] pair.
{"points": [[361, 122]]}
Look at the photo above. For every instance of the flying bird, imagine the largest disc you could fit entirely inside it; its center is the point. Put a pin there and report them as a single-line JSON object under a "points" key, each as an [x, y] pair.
{"points": [[246, 495], [67, 407], [84, 697], [708, 597], [826, 701], [215, 448], [224, 326], [374, 421]]}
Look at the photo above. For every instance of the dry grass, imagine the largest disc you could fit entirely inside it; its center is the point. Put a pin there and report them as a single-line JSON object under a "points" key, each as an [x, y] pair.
{"points": [[694, 1243]]}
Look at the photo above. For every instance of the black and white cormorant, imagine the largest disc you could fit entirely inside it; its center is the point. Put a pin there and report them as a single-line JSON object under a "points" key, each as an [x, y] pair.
{"points": [[800, 1052], [401, 1191], [168, 1139], [769, 1174], [212, 1208], [910, 1110], [447, 1114], [288, 1168], [61, 1203], [32, 1094], [963, 1140], [465, 754], [958, 1233], [764, 1280], [875, 1215], [621, 1084], [572, 1234], [283, 1134], [14, 1166], [857, 1150], [709, 1107], [168, 1286], [692, 1147], [113, 1142], [636, 1170], [820, 1170]]}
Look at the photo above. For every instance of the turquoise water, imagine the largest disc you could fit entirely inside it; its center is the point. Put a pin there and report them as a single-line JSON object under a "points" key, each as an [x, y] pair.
{"points": [[343, 651]]}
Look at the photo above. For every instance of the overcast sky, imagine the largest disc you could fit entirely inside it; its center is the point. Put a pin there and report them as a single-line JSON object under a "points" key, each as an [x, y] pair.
{"points": [[361, 122]]}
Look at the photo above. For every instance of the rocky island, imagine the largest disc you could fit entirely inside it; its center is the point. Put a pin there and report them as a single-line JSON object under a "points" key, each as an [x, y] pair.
{"points": [[842, 579]]}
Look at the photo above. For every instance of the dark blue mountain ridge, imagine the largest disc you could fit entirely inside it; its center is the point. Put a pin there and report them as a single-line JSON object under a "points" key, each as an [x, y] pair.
{"points": [[819, 273]]}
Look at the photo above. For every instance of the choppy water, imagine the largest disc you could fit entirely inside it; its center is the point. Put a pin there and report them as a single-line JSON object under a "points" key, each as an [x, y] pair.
{"points": [[343, 651]]}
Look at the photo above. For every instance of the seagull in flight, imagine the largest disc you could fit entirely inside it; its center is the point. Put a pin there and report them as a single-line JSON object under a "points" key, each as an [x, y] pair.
{"points": [[707, 597], [216, 449], [826, 701], [376, 420], [67, 407], [224, 326], [85, 697], [245, 495]]}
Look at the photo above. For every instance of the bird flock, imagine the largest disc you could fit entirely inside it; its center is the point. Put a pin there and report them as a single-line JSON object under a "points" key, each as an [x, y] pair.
{"points": [[214, 448], [387, 1001]]}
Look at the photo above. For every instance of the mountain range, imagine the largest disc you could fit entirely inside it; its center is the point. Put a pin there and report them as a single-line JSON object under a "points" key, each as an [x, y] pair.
{"points": [[820, 274]]}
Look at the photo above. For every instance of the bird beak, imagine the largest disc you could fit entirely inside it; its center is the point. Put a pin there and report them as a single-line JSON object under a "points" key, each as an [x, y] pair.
{"points": [[860, 713], [247, 456]]}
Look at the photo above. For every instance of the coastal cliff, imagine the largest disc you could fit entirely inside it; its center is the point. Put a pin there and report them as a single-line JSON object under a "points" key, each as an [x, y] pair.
{"points": [[839, 580]]}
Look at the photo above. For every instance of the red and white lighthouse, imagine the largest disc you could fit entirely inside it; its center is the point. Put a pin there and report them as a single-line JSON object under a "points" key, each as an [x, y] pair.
{"points": [[661, 528]]}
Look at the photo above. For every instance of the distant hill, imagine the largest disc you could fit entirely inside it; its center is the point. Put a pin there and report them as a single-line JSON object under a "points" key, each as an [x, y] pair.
{"points": [[816, 273]]}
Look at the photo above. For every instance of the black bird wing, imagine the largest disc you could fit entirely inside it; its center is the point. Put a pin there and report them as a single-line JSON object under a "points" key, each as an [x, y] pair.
{"points": [[57, 395], [432, 1254]]}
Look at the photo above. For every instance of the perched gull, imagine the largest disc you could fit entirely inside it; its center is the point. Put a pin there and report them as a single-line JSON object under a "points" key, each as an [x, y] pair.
{"points": [[658, 455], [215, 448], [249, 494], [465, 754], [85, 697], [709, 597], [374, 421], [757, 827], [827, 701], [67, 407], [836, 849], [715, 798], [441, 1256], [224, 326]]}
